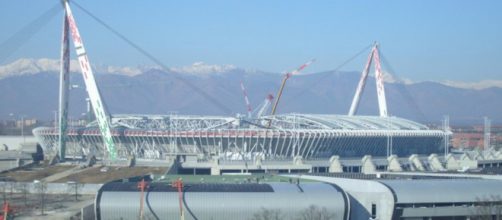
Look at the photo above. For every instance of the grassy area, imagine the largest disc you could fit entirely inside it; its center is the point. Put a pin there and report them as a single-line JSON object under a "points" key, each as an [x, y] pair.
{"points": [[96, 175], [89, 175]]}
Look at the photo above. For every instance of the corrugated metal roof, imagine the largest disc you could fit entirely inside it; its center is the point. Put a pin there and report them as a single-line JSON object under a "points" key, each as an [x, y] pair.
{"points": [[364, 122], [287, 200], [317, 121], [208, 187], [444, 190]]}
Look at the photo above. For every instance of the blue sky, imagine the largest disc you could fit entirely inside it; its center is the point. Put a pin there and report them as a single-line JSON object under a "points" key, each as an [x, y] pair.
{"points": [[421, 40]]}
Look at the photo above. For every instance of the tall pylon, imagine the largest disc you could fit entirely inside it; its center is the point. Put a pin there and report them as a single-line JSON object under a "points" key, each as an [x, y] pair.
{"points": [[64, 88], [382, 101], [90, 85]]}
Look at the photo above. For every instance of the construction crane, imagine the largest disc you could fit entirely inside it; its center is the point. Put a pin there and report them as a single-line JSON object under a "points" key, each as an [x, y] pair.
{"points": [[7, 211], [262, 108], [90, 84], [382, 101], [142, 186], [178, 184], [286, 77], [246, 99]]}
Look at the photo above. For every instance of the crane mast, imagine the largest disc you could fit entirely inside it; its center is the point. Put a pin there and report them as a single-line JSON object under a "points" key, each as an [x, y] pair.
{"points": [[264, 106], [246, 99], [90, 84], [286, 77]]}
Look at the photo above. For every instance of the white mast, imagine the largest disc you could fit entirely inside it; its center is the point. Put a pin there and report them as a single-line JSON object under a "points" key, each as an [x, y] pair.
{"points": [[90, 84], [246, 99], [382, 102], [360, 86], [64, 87], [264, 106]]}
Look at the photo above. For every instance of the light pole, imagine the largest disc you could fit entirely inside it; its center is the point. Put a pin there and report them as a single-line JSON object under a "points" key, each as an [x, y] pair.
{"points": [[15, 122], [55, 119], [22, 128], [15, 118]]}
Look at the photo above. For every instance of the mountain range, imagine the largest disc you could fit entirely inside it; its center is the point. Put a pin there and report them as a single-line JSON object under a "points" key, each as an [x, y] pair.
{"points": [[29, 87]]}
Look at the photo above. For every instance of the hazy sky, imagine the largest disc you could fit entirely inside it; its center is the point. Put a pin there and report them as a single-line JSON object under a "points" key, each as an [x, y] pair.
{"points": [[421, 40]]}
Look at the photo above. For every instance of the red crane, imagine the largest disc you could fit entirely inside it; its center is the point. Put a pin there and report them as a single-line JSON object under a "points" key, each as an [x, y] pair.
{"points": [[178, 184], [7, 212], [286, 77], [142, 186]]}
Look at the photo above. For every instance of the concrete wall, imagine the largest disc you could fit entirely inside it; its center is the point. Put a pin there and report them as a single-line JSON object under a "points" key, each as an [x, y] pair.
{"points": [[88, 212], [363, 194], [14, 142]]}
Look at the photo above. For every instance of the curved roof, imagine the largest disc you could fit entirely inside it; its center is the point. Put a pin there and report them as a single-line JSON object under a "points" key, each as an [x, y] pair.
{"points": [[345, 122], [221, 201], [281, 121], [443, 190]]}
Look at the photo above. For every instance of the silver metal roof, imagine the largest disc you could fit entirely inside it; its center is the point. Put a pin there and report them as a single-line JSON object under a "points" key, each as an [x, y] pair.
{"points": [[281, 121], [211, 202], [345, 122], [444, 190]]}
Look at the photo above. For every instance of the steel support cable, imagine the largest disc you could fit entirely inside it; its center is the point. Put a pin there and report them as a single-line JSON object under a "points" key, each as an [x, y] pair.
{"points": [[226, 92], [310, 86], [148, 203], [185, 202], [213, 100], [18, 39], [403, 90]]}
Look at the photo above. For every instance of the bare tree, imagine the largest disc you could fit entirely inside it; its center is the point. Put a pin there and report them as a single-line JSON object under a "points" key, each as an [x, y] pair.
{"points": [[268, 214], [314, 212], [41, 188], [12, 187], [3, 190], [74, 188], [22, 188]]}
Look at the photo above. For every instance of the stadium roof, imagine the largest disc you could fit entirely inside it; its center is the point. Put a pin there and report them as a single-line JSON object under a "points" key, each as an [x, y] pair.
{"points": [[345, 122], [282, 121]]}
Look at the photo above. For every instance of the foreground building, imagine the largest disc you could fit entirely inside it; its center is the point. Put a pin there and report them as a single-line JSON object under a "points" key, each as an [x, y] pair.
{"points": [[221, 201], [329, 199]]}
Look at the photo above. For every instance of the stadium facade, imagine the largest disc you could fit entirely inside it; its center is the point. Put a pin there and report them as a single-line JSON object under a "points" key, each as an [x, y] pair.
{"points": [[289, 135]]}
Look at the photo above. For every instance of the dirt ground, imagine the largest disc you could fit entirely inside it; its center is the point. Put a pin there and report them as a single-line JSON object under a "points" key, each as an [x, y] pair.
{"points": [[95, 174], [29, 174]]}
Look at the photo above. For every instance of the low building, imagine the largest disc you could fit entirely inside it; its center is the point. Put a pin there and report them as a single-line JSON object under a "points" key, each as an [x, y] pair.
{"points": [[383, 197]]}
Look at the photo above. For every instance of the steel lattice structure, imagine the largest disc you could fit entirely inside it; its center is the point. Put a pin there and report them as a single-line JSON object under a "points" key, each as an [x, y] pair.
{"points": [[306, 135]]}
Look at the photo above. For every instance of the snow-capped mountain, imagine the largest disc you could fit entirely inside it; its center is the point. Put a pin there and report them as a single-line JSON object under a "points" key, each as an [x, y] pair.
{"points": [[30, 87]]}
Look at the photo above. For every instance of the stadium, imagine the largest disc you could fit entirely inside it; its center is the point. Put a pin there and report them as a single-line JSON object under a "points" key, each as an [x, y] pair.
{"points": [[264, 136], [234, 138]]}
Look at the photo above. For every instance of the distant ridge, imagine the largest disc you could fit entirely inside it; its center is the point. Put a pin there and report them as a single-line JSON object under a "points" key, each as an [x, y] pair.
{"points": [[33, 92]]}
